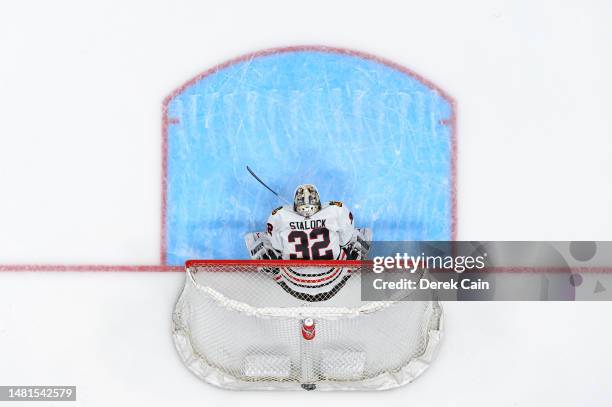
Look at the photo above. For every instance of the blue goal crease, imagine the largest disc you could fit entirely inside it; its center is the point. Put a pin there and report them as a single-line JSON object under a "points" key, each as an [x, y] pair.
{"points": [[363, 132]]}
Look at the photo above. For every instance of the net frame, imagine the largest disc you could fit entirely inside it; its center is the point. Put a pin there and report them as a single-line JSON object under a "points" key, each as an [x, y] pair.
{"points": [[216, 374]]}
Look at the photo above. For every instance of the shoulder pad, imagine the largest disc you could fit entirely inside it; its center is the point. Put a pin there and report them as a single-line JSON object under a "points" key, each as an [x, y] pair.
{"points": [[336, 203], [276, 210]]}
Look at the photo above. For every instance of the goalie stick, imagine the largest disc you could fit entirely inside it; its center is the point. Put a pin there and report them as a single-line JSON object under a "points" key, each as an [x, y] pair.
{"points": [[267, 187]]}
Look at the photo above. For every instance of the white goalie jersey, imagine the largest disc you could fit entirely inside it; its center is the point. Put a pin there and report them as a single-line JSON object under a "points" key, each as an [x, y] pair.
{"points": [[329, 234], [319, 237]]}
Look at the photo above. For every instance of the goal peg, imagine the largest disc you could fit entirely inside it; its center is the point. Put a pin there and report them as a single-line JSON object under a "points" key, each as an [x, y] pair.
{"points": [[308, 329]]}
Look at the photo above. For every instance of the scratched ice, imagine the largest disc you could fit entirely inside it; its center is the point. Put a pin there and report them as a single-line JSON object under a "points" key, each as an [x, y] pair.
{"points": [[365, 133]]}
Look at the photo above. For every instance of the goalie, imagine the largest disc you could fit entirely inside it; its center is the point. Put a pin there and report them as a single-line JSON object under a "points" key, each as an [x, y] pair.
{"points": [[310, 231]]}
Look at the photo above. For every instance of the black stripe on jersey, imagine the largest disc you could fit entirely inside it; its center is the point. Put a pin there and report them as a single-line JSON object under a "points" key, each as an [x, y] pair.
{"points": [[316, 297], [325, 273]]}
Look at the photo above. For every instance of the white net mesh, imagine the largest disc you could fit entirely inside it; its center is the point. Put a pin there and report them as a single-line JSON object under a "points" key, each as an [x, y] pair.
{"points": [[236, 326]]}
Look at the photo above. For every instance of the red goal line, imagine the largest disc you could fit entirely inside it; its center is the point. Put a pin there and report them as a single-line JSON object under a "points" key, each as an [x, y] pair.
{"points": [[272, 263]]}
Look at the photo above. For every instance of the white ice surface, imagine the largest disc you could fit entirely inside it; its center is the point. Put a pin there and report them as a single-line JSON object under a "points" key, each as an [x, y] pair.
{"points": [[81, 86]]}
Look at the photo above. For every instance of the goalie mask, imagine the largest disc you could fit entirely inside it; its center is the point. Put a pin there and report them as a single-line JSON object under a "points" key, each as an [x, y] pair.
{"points": [[306, 201]]}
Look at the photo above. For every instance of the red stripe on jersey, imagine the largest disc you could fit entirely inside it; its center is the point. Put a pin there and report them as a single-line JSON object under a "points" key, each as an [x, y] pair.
{"points": [[333, 274]]}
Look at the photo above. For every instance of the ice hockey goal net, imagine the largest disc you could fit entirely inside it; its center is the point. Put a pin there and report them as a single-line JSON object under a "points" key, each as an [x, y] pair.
{"points": [[235, 326]]}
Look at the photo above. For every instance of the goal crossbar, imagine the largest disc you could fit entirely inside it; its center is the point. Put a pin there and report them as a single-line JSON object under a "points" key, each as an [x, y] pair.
{"points": [[277, 263]]}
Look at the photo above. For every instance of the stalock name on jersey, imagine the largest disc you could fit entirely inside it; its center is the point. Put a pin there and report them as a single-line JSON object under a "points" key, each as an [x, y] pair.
{"points": [[308, 224]]}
